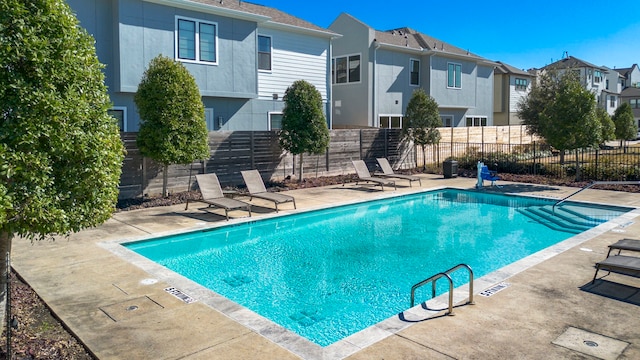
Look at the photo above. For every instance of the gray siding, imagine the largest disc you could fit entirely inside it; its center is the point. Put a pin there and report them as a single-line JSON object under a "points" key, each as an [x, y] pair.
{"points": [[352, 102], [129, 33]]}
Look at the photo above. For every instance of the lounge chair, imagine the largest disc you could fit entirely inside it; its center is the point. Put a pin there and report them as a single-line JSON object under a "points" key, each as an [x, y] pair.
{"points": [[363, 175], [387, 171], [485, 174], [622, 264], [212, 194], [625, 244], [256, 189]]}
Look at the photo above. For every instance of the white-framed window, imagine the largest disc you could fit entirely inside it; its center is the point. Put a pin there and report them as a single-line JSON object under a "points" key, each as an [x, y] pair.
{"points": [[476, 121], [447, 120], [391, 121], [454, 75], [597, 76], [414, 66], [612, 101], [196, 40], [345, 69], [634, 103], [275, 120], [264, 52], [210, 120], [120, 114], [521, 84]]}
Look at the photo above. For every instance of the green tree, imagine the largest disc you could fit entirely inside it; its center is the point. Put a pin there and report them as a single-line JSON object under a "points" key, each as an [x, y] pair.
{"points": [[626, 128], [608, 127], [421, 120], [60, 152], [563, 112], [304, 127], [172, 128]]}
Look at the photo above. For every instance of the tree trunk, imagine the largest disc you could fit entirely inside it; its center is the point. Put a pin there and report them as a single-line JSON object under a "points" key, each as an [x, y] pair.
{"points": [[424, 158], [300, 174], [562, 157], [5, 247], [578, 174], [165, 178]]}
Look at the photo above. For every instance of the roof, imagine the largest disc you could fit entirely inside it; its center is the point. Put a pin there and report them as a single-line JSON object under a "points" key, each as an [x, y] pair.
{"points": [[625, 71], [630, 92], [503, 68], [236, 7], [572, 62], [414, 40]]}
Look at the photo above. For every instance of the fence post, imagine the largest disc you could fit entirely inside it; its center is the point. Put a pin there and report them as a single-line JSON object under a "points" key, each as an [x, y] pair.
{"points": [[252, 147]]}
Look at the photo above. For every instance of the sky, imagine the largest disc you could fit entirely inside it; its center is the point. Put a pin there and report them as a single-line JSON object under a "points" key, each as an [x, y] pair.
{"points": [[525, 34]]}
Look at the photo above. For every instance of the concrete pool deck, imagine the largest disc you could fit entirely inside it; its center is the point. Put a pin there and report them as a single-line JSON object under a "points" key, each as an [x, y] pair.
{"points": [[120, 309]]}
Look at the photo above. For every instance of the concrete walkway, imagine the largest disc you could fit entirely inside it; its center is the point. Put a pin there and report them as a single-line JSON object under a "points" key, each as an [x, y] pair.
{"points": [[117, 303]]}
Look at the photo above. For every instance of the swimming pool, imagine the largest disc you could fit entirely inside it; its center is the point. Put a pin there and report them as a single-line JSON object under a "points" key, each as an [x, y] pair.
{"points": [[327, 274]]}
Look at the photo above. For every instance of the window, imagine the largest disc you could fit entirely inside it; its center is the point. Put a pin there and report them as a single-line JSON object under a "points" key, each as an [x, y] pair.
{"points": [[476, 121], [454, 75], [196, 40], [607, 84], [264, 52], [597, 76], [447, 120], [390, 121], [345, 69], [120, 114], [612, 101], [635, 103], [521, 84], [415, 72], [275, 120]]}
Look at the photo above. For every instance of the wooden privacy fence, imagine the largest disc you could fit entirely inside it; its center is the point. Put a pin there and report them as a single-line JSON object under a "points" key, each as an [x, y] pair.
{"points": [[233, 151]]}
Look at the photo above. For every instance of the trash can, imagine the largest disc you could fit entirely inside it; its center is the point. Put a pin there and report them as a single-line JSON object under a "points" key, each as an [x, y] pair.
{"points": [[450, 169]]}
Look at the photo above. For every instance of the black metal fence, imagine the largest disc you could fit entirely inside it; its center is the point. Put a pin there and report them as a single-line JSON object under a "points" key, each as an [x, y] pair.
{"points": [[607, 163]]}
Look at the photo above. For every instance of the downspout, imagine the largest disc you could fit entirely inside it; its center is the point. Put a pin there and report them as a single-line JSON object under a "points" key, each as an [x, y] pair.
{"points": [[330, 87], [376, 119]]}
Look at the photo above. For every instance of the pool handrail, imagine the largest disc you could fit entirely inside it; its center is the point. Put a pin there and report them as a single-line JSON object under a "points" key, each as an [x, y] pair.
{"points": [[437, 276], [553, 208]]}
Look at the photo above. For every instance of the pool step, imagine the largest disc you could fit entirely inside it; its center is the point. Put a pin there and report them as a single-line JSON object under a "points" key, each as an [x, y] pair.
{"points": [[564, 219]]}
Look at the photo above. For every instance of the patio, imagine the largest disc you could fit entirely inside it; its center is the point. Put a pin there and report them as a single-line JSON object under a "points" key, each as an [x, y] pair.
{"points": [[550, 310]]}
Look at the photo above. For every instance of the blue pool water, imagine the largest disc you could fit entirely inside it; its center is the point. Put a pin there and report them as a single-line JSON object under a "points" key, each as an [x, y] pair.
{"points": [[327, 274]]}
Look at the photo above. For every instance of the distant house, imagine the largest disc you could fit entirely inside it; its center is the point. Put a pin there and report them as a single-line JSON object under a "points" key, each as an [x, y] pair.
{"points": [[631, 76], [511, 85], [243, 56], [374, 74], [631, 95], [595, 79]]}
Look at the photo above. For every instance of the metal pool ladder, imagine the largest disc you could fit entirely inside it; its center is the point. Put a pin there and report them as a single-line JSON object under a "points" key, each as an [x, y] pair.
{"points": [[445, 274]]}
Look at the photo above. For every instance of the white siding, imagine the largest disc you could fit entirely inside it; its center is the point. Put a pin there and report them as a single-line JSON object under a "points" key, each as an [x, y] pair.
{"points": [[515, 96], [294, 57]]}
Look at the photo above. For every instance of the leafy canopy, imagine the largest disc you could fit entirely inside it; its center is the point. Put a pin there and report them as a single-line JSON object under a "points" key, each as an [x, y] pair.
{"points": [[422, 119], [608, 127], [304, 127], [626, 128], [60, 152], [562, 111], [172, 129]]}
